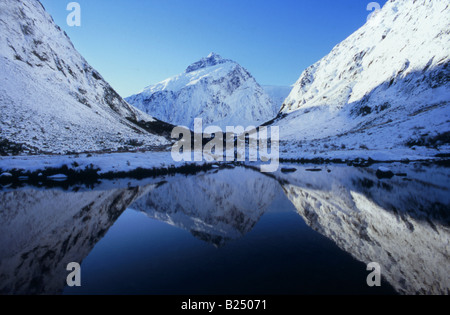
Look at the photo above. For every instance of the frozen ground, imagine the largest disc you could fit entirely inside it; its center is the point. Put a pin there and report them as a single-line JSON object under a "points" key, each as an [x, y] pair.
{"points": [[113, 162]]}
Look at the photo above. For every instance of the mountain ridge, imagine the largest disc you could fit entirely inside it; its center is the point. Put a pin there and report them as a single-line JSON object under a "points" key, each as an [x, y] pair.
{"points": [[52, 100], [361, 99]]}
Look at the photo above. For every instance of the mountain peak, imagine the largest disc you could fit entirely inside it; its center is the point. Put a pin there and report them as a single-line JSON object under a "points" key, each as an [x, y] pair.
{"points": [[218, 90], [211, 60], [214, 55]]}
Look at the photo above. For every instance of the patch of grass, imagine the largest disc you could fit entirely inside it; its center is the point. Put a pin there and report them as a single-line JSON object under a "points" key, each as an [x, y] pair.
{"points": [[142, 173], [89, 177], [134, 143], [430, 141], [156, 127], [10, 148], [363, 147]]}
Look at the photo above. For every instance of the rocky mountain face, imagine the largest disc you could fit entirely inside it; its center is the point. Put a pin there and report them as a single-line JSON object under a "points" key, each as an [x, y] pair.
{"points": [[218, 90], [384, 88], [51, 99]]}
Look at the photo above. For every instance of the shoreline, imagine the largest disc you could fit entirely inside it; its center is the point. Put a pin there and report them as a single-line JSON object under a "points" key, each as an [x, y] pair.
{"points": [[89, 169]]}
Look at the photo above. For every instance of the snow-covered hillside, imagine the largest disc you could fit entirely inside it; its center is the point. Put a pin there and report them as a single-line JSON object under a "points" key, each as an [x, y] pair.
{"points": [[218, 90], [384, 88], [51, 99]]}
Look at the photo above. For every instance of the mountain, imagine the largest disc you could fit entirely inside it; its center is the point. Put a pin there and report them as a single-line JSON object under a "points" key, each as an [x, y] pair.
{"points": [[278, 94], [51, 99], [384, 89], [216, 89]]}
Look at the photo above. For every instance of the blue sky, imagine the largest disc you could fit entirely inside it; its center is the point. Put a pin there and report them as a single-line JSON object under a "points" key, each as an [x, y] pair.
{"points": [[136, 43]]}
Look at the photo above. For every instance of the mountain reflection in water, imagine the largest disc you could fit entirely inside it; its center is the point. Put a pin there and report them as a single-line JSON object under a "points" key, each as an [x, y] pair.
{"points": [[352, 218]]}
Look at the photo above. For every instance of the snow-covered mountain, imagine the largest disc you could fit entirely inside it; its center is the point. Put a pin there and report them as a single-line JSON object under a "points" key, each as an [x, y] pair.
{"points": [[216, 89], [385, 88], [51, 99], [278, 94]]}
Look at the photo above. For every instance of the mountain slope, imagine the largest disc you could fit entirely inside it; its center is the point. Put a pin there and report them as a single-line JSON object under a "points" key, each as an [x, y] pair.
{"points": [[51, 99], [384, 88], [218, 90]]}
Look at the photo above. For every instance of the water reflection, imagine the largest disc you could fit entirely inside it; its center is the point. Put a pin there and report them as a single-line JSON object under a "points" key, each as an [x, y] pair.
{"points": [[41, 231], [402, 223], [215, 208]]}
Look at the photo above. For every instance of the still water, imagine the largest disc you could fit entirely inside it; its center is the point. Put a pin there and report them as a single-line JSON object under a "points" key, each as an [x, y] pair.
{"points": [[233, 231]]}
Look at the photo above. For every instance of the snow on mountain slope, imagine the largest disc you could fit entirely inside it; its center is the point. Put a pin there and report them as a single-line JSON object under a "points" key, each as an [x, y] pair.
{"points": [[51, 99], [385, 87], [218, 90], [277, 94]]}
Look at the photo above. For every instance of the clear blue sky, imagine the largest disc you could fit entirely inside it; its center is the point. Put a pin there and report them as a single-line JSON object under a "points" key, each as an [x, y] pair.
{"points": [[136, 43]]}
